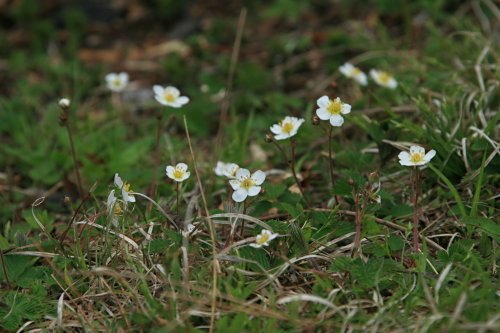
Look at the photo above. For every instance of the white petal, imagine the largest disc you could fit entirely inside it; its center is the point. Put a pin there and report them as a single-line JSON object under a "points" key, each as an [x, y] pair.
{"points": [[404, 156], [346, 108], [417, 150], [258, 177], [362, 79], [219, 168], [160, 100], [239, 195], [110, 77], [170, 171], [183, 100], [131, 198], [323, 101], [255, 245], [272, 236], [186, 175], [242, 173], [336, 120], [253, 191], [118, 181], [181, 166], [158, 90], [123, 78], [173, 90], [430, 155], [392, 84], [282, 136], [323, 114], [276, 129], [235, 184]]}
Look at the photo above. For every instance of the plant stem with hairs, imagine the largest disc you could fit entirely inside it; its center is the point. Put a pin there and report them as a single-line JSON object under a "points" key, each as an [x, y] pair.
{"points": [[159, 129], [177, 192], [330, 158], [4, 268], [64, 121], [292, 166], [416, 190]]}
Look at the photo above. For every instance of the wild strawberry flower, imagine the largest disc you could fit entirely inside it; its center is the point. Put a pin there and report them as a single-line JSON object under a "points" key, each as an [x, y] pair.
{"points": [[246, 185], [332, 110], [383, 79], [117, 81], [227, 170], [286, 128], [352, 72], [264, 238], [179, 173], [114, 207], [170, 96], [124, 187], [416, 156]]}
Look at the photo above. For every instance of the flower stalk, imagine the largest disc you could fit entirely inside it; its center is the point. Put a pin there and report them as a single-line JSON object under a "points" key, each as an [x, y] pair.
{"points": [[416, 190], [159, 130]]}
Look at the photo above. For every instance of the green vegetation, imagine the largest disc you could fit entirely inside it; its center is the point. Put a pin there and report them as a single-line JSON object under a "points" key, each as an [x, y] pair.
{"points": [[71, 263]]}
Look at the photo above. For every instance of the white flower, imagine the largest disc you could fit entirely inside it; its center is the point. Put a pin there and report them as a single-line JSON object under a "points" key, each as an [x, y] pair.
{"points": [[332, 110], [417, 156], [264, 238], [179, 173], [127, 195], [286, 128], [383, 79], [117, 81], [246, 185], [353, 72], [64, 103], [170, 96], [114, 207], [226, 169]]}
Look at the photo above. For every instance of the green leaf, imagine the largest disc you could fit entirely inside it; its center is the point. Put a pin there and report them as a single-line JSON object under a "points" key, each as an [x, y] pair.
{"points": [[486, 225]]}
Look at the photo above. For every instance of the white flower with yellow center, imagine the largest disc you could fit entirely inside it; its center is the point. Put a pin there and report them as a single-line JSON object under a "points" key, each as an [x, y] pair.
{"points": [[117, 81], [179, 173], [246, 185], [383, 79], [64, 103], [170, 96], [332, 110], [352, 72], [227, 170], [264, 238], [124, 187], [286, 128], [114, 207], [416, 156]]}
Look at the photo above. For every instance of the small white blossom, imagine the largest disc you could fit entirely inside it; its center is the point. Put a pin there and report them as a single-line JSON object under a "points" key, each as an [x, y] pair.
{"points": [[332, 110], [114, 207], [124, 187], [416, 156], [246, 185], [227, 170], [383, 79], [117, 81], [64, 103], [286, 128], [264, 238], [352, 72], [169, 96], [179, 173]]}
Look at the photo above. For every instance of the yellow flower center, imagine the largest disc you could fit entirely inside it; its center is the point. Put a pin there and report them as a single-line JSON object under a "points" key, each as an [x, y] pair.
{"points": [[356, 71], [287, 127], [417, 157], [117, 209], [169, 97], [384, 77], [117, 82], [262, 239], [246, 183], [335, 107], [126, 187], [178, 173]]}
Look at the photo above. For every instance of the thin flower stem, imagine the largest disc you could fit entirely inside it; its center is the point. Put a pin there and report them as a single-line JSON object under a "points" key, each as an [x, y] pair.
{"points": [[215, 263], [177, 192], [292, 166], [243, 222], [75, 161], [416, 188], [159, 129], [330, 158]]}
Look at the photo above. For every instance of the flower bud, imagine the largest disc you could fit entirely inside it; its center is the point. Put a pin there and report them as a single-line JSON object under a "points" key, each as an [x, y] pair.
{"points": [[64, 103], [315, 120], [269, 138], [351, 181]]}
